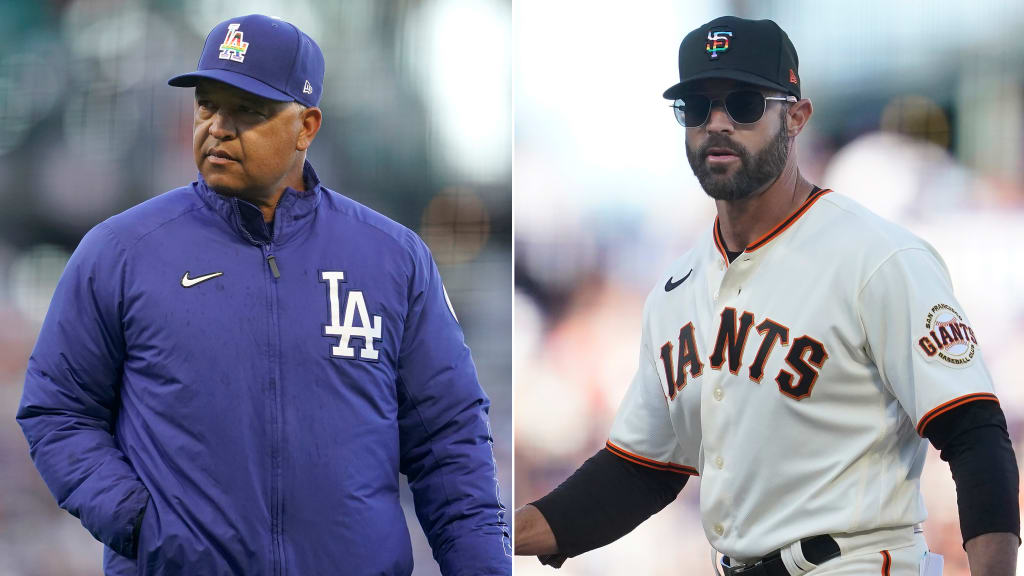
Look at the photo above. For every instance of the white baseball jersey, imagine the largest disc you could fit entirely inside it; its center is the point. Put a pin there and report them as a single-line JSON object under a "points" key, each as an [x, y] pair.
{"points": [[797, 379]]}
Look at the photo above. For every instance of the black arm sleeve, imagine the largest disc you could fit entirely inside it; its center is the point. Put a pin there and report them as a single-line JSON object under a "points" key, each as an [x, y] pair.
{"points": [[604, 500], [973, 439]]}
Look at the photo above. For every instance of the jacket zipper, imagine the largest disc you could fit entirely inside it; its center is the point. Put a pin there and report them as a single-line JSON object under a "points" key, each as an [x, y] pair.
{"points": [[276, 531], [272, 262], [274, 347]]}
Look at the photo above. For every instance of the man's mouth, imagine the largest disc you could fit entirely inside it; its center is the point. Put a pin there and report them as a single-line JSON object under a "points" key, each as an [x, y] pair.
{"points": [[719, 154], [216, 156]]}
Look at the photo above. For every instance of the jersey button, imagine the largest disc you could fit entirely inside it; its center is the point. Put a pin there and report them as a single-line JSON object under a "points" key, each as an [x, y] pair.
{"points": [[719, 462], [719, 529], [718, 393], [716, 296]]}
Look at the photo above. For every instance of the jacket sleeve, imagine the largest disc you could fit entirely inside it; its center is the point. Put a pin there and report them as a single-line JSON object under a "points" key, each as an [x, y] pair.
{"points": [[445, 435], [67, 409]]}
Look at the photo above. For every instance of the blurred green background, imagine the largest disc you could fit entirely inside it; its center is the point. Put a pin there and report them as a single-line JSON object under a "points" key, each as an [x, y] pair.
{"points": [[918, 114], [417, 124]]}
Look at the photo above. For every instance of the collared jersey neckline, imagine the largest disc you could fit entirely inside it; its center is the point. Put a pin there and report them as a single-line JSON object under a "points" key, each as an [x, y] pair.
{"points": [[293, 207], [774, 232]]}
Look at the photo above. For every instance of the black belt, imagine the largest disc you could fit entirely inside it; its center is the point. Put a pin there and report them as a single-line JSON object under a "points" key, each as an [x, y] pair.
{"points": [[817, 550]]}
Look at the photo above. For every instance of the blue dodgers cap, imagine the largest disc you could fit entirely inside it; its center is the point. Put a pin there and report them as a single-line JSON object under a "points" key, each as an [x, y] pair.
{"points": [[262, 55]]}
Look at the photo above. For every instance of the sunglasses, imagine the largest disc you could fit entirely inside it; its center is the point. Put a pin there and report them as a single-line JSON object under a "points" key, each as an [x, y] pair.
{"points": [[743, 106]]}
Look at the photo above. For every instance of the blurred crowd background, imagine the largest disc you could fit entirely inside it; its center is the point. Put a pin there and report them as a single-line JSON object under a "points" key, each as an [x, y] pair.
{"points": [[417, 125], [918, 114]]}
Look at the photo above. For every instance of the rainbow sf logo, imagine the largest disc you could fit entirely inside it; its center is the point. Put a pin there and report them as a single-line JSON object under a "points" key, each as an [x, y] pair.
{"points": [[718, 43], [233, 47]]}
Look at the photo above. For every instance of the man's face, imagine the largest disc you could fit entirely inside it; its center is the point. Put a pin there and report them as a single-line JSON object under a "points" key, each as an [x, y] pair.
{"points": [[734, 161], [244, 145]]}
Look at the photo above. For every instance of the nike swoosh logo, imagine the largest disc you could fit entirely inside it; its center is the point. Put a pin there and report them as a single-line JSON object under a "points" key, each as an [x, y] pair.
{"points": [[190, 282], [670, 285]]}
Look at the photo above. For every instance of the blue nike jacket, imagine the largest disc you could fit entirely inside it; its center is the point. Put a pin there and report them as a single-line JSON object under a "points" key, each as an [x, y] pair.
{"points": [[210, 397]]}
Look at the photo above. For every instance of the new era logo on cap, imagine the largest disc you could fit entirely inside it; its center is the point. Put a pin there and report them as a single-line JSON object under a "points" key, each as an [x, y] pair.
{"points": [[307, 88]]}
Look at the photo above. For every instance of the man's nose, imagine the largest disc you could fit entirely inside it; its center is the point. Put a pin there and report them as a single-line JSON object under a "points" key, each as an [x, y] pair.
{"points": [[222, 125], [718, 119]]}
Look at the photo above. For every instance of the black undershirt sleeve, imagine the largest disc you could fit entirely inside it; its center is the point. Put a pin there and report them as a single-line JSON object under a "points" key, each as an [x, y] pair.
{"points": [[605, 499], [973, 439]]}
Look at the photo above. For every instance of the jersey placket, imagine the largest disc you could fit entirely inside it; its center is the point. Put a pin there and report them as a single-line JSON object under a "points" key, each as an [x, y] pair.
{"points": [[720, 405]]}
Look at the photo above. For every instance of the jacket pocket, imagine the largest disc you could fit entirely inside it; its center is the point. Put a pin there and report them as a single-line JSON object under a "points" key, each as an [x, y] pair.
{"points": [[148, 529]]}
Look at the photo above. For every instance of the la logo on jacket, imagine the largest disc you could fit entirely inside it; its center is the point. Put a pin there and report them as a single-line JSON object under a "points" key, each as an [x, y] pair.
{"points": [[368, 328]]}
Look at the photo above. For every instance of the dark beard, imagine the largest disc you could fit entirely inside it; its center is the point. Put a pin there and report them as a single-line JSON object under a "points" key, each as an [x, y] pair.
{"points": [[755, 173]]}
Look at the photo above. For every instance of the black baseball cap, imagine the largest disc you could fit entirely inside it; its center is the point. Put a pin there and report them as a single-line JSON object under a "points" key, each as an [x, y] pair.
{"points": [[753, 51], [262, 55]]}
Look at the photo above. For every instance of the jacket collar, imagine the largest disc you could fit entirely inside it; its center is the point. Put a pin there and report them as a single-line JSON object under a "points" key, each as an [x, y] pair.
{"points": [[294, 210]]}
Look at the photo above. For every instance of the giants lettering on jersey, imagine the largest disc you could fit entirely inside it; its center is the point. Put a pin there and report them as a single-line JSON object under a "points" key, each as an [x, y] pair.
{"points": [[805, 357]]}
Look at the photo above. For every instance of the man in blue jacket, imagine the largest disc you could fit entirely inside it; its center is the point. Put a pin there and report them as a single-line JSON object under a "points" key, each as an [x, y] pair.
{"points": [[232, 375]]}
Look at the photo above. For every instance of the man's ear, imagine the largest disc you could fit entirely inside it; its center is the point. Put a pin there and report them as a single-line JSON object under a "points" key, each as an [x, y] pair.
{"points": [[797, 116], [309, 121]]}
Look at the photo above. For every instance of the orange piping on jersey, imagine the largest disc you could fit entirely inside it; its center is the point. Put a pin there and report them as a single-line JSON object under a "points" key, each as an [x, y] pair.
{"points": [[954, 403], [886, 562], [647, 462], [788, 221], [720, 241]]}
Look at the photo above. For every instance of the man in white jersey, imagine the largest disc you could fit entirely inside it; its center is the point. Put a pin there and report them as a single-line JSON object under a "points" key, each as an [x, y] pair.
{"points": [[798, 358]]}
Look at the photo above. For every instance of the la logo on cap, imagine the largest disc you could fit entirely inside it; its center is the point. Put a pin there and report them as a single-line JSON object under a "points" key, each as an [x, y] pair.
{"points": [[718, 42], [233, 48]]}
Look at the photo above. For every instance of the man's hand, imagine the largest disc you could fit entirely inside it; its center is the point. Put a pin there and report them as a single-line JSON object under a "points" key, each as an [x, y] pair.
{"points": [[533, 535], [993, 554]]}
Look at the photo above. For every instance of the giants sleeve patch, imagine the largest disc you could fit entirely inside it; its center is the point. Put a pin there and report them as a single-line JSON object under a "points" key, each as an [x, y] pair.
{"points": [[947, 337]]}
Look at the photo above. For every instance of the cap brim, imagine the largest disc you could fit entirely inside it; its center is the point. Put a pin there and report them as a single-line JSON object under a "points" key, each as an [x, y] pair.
{"points": [[682, 88], [240, 81]]}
